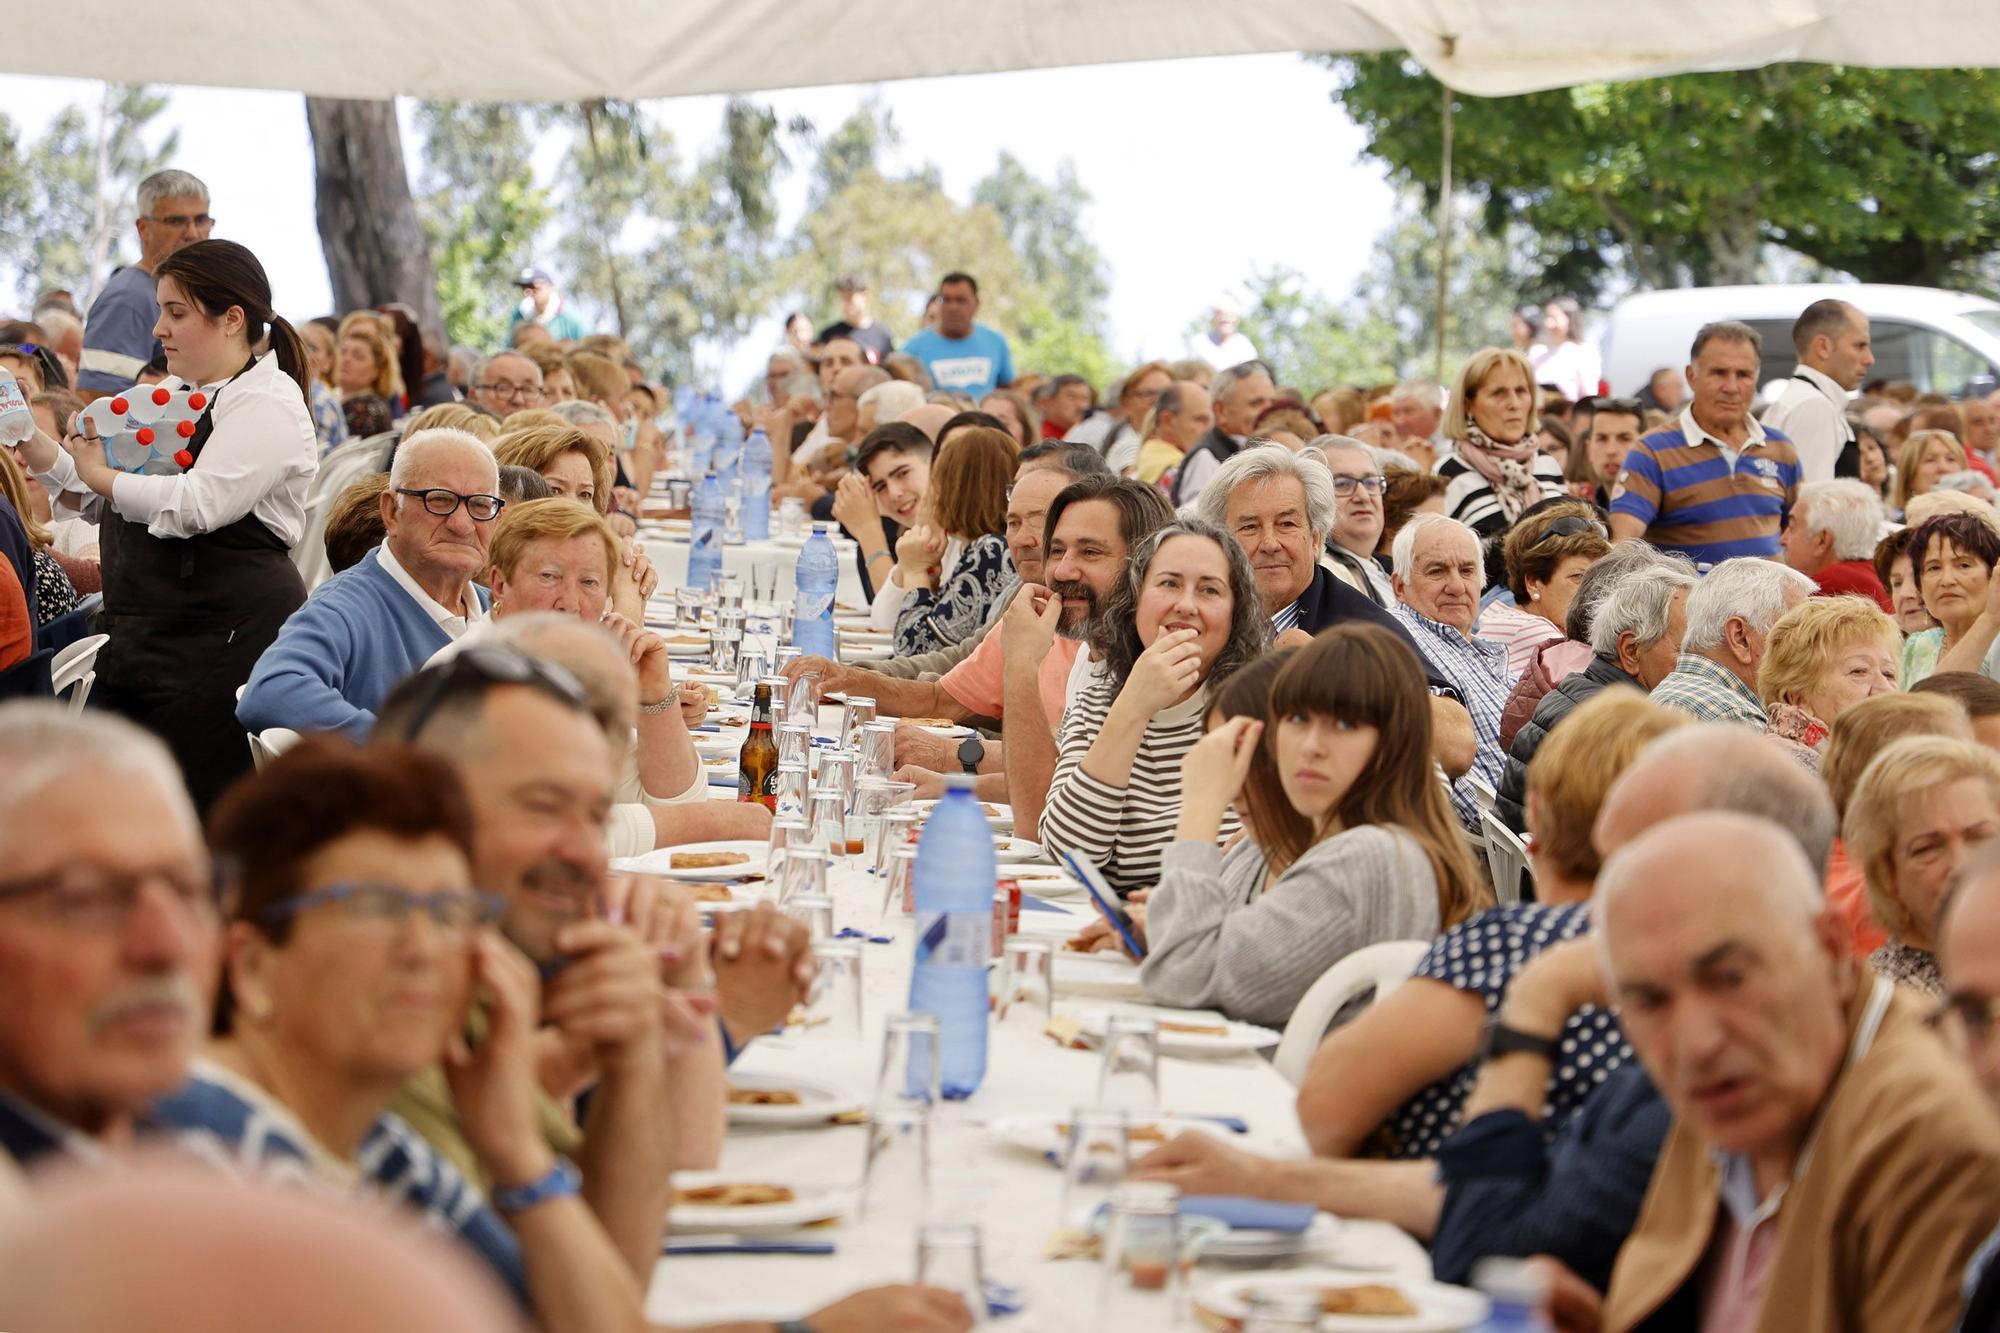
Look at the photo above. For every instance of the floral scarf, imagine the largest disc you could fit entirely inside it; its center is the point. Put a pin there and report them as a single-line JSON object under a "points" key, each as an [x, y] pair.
{"points": [[1508, 469]]}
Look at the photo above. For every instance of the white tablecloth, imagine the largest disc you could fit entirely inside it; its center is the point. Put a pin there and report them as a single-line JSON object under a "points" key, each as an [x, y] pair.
{"points": [[1012, 1195]]}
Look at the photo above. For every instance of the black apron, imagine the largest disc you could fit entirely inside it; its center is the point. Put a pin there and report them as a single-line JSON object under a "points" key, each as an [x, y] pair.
{"points": [[188, 618]]}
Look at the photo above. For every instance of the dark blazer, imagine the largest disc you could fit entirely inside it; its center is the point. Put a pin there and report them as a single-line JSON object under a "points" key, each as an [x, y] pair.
{"points": [[1556, 705]]}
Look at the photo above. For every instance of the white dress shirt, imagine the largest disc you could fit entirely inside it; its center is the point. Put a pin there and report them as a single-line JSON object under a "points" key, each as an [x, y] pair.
{"points": [[451, 622], [259, 461], [1812, 414]]}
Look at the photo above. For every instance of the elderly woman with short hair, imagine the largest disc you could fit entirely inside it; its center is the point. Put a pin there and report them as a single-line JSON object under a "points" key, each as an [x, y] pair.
{"points": [[1924, 803], [1547, 554], [1496, 471], [1823, 656], [1953, 556]]}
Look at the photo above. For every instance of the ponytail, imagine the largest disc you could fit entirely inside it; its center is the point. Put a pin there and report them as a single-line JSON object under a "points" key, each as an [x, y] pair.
{"points": [[219, 274]]}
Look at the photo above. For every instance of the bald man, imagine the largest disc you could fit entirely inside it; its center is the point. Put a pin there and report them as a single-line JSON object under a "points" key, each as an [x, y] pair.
{"points": [[1717, 766], [929, 418], [1828, 1166]]}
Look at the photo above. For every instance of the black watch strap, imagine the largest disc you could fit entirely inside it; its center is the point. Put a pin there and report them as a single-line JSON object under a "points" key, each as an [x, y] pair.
{"points": [[1503, 1040], [970, 751]]}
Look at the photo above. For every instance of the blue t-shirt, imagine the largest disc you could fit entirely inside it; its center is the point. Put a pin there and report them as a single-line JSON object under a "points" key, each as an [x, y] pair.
{"points": [[118, 333], [974, 365]]}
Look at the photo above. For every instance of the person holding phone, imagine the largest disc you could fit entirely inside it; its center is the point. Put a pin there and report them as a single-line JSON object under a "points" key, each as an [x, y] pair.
{"points": [[1373, 854]]}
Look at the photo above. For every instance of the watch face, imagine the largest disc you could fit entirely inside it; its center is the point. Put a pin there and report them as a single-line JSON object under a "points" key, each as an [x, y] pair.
{"points": [[970, 750]]}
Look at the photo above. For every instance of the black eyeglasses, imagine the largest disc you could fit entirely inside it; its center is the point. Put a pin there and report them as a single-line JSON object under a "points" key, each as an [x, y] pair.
{"points": [[457, 910], [444, 503], [93, 901], [1374, 485], [482, 667]]}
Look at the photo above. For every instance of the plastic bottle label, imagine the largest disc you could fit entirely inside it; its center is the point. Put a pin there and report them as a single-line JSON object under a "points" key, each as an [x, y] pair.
{"points": [[953, 939], [811, 606]]}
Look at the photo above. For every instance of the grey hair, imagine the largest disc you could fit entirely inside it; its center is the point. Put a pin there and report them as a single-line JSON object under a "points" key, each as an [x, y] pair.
{"points": [[800, 384], [1727, 331], [1641, 602], [1262, 464], [1225, 380], [1848, 509], [41, 742], [1323, 443], [1610, 570], [890, 400], [481, 366], [1114, 633], [1747, 588], [1968, 482], [1748, 773], [786, 355], [164, 185], [1391, 460], [1427, 392], [579, 413], [1403, 551], [426, 442]]}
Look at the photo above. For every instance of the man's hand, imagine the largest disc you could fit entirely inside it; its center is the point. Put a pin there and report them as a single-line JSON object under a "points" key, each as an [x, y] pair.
{"points": [[609, 994], [1203, 1164], [1574, 1305], [925, 749], [832, 675], [763, 967], [894, 1310], [1292, 638], [1028, 629], [493, 1082], [929, 783]]}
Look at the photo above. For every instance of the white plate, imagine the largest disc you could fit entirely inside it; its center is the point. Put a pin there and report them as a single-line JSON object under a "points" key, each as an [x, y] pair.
{"points": [[818, 1102], [661, 862], [1044, 1135], [863, 635], [1009, 850], [1107, 974], [1440, 1309], [1242, 1038], [852, 653], [811, 1204], [676, 649], [998, 815], [1249, 1243]]}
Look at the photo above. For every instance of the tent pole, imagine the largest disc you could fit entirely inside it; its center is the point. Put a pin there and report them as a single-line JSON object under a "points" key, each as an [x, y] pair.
{"points": [[1444, 238]]}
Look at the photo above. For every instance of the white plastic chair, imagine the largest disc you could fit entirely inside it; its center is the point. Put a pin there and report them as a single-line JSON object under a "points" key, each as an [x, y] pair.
{"points": [[1382, 967], [268, 744], [75, 669], [1482, 792], [1506, 857]]}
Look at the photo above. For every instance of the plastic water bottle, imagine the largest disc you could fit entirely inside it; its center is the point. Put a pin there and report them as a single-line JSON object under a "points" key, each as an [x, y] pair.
{"points": [[812, 609], [17, 423], [954, 879], [757, 486], [705, 534], [728, 449], [1518, 1293]]}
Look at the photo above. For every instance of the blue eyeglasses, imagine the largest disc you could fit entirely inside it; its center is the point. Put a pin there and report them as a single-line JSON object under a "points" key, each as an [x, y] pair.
{"points": [[453, 909]]}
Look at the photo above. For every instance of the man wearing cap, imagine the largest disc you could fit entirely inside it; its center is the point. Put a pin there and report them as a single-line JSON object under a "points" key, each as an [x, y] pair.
{"points": [[856, 323], [542, 304]]}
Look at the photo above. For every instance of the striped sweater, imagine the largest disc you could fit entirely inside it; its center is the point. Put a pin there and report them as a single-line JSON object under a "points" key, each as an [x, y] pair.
{"points": [[1122, 830]]}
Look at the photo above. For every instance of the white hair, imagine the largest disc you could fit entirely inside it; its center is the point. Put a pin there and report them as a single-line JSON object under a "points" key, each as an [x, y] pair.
{"points": [[1641, 600], [58, 323], [1427, 392], [1848, 509], [1747, 588], [478, 375], [1403, 551], [164, 185], [42, 742], [579, 413], [1969, 482], [428, 442], [1263, 463], [1390, 460], [890, 400]]}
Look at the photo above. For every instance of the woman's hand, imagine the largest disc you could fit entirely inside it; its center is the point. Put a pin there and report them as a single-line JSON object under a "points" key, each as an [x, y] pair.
{"points": [[634, 564], [1165, 673], [493, 1083], [917, 553], [694, 703], [91, 469], [647, 653], [1213, 773]]}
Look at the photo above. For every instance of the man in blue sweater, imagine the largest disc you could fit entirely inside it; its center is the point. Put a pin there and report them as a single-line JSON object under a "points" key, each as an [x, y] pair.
{"points": [[369, 626]]}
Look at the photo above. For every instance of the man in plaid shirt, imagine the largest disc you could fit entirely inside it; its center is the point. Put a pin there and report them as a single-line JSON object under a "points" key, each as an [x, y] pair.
{"points": [[1729, 613]]}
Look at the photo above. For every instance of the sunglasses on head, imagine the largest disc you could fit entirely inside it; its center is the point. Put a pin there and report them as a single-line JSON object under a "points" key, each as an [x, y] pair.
{"points": [[484, 667]]}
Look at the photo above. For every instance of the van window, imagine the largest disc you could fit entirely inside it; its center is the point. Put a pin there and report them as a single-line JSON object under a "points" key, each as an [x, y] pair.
{"points": [[1776, 360], [1926, 358]]}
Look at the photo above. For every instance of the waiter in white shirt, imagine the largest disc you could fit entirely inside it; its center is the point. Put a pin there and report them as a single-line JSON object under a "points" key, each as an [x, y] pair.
{"points": [[198, 575], [1831, 338]]}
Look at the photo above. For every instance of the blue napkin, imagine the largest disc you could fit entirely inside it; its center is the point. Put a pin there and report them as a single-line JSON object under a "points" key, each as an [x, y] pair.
{"points": [[1030, 903], [743, 1245], [850, 933], [1242, 1214]]}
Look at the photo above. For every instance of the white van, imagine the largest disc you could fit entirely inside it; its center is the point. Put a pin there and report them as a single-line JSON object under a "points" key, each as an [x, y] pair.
{"points": [[1938, 340]]}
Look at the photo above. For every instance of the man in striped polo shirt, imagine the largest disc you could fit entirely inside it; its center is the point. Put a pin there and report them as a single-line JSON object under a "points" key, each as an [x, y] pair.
{"points": [[1715, 484]]}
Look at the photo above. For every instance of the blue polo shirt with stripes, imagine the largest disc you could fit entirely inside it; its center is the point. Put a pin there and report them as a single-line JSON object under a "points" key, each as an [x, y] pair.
{"points": [[1681, 483]]}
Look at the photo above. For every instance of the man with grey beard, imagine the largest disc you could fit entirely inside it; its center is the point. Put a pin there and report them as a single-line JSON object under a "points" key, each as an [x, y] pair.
{"points": [[108, 930]]}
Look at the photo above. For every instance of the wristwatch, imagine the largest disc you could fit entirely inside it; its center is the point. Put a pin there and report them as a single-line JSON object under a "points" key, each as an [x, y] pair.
{"points": [[970, 751], [560, 1180], [1500, 1039]]}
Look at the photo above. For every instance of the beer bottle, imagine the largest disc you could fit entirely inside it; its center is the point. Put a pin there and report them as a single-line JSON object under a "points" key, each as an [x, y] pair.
{"points": [[757, 778]]}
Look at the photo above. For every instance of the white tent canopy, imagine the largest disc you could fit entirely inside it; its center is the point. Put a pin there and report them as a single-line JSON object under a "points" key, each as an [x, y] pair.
{"points": [[505, 50]]}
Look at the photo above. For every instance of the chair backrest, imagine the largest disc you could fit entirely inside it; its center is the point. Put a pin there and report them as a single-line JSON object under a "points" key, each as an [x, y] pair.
{"points": [[341, 468], [1380, 967], [1482, 792], [271, 742], [1506, 857], [73, 670]]}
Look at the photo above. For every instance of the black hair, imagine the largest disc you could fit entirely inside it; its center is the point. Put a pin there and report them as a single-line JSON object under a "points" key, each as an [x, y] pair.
{"points": [[893, 437], [219, 274], [1079, 460], [955, 276]]}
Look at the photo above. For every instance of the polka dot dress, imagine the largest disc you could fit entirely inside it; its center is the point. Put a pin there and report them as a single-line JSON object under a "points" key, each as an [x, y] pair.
{"points": [[1481, 956]]}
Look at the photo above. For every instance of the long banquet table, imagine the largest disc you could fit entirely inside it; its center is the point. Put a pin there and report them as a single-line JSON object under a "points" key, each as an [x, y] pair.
{"points": [[1011, 1194]]}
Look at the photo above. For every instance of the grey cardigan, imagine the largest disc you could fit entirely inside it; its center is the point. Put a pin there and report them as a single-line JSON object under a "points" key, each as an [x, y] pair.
{"points": [[1209, 948]]}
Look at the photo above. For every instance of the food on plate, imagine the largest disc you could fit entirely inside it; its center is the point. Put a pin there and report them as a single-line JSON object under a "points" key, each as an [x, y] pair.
{"points": [[712, 893], [737, 1194], [1143, 1132], [1369, 1298], [1066, 1031], [1195, 1029], [707, 860], [929, 722], [991, 812], [763, 1097]]}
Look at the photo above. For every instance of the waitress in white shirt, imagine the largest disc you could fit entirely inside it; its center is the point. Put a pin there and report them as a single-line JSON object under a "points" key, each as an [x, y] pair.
{"points": [[198, 574]]}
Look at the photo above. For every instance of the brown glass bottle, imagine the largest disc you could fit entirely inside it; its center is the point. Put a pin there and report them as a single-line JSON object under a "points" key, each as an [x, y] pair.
{"points": [[757, 775]]}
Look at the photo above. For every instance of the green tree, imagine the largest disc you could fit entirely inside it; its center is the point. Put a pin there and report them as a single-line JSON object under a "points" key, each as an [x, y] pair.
{"points": [[1884, 174], [855, 147], [481, 210], [1400, 286], [83, 177], [1309, 341], [1060, 325]]}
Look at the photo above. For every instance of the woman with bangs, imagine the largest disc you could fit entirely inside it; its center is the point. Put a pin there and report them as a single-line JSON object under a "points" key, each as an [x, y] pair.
{"points": [[1373, 852]]}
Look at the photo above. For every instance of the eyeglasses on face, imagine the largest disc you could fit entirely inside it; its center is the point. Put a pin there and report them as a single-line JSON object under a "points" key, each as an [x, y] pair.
{"points": [[526, 393], [1373, 485], [96, 901], [182, 221], [1965, 1019], [388, 904], [444, 503]]}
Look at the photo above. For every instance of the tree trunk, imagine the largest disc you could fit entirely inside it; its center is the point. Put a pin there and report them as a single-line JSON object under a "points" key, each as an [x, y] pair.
{"points": [[375, 248]]}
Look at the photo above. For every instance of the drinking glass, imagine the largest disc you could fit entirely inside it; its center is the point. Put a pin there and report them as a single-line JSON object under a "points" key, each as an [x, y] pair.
{"points": [[856, 713], [878, 749], [723, 646], [826, 812], [791, 522], [897, 828], [896, 1174], [873, 799], [803, 703], [786, 652], [1027, 979], [909, 1062], [899, 885], [813, 910], [729, 594], [948, 1257], [687, 606], [1142, 1260], [795, 736], [785, 834], [1097, 1154], [763, 581], [836, 771], [835, 999], [1128, 1078], [804, 873], [749, 669], [791, 785]]}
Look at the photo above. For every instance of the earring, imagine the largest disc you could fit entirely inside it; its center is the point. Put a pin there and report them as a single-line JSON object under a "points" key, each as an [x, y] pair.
{"points": [[258, 1007]]}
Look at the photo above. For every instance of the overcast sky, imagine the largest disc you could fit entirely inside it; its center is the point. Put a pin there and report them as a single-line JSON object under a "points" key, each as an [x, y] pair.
{"points": [[1199, 170]]}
